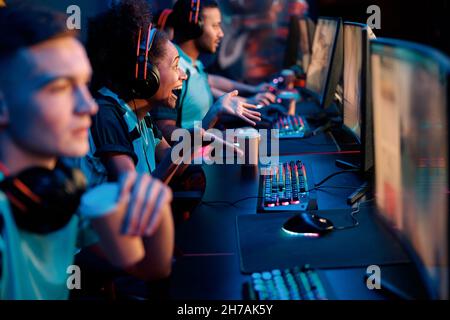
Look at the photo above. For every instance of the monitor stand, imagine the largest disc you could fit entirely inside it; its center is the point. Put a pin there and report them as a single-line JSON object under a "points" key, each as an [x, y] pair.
{"points": [[362, 190]]}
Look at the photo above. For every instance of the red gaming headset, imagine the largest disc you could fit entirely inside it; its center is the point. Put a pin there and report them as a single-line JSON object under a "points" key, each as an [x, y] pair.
{"points": [[194, 13], [43, 200], [187, 18], [162, 20], [146, 80]]}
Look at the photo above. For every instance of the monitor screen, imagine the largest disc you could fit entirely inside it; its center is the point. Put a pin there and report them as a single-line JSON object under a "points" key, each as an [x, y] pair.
{"points": [[322, 54], [367, 108], [305, 42], [299, 42], [411, 151], [352, 79], [356, 101]]}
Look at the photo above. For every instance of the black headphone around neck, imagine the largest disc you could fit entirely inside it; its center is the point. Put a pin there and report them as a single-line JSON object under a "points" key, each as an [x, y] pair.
{"points": [[147, 78], [43, 200]]}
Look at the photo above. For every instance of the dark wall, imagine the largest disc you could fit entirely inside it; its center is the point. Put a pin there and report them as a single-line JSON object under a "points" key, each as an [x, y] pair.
{"points": [[424, 22], [88, 8]]}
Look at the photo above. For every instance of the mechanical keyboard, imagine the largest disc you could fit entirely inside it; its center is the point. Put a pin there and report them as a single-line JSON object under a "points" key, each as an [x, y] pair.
{"points": [[291, 126], [289, 284], [287, 186]]}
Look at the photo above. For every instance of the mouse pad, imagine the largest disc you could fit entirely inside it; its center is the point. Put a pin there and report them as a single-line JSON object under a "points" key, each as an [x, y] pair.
{"points": [[263, 245]]}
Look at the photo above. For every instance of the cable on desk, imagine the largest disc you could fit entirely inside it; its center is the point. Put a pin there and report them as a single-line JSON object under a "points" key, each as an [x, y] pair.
{"points": [[355, 210], [353, 213], [305, 141], [247, 198], [333, 175], [233, 203], [320, 188]]}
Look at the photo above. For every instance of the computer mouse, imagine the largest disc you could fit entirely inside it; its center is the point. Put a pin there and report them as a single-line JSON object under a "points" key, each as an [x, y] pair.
{"points": [[308, 224]]}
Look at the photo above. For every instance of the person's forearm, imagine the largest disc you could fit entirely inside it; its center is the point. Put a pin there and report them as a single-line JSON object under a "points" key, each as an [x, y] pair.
{"points": [[157, 263], [167, 167], [242, 87], [220, 83], [166, 131], [117, 164], [226, 85], [211, 118], [158, 248], [217, 92]]}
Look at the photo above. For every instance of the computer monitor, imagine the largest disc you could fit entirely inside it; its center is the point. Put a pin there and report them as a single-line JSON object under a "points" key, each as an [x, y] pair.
{"points": [[356, 101], [325, 67], [410, 101], [291, 52], [299, 42], [306, 31]]}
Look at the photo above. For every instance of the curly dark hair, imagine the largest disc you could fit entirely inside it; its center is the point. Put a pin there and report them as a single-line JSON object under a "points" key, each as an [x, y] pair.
{"points": [[112, 42]]}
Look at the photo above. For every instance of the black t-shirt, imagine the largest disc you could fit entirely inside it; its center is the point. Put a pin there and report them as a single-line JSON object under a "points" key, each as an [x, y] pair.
{"points": [[112, 134]]}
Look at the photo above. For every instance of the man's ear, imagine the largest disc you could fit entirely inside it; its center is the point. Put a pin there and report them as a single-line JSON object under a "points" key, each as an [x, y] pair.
{"points": [[4, 113]]}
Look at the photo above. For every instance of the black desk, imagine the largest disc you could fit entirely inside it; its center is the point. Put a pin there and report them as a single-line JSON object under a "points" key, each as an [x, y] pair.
{"points": [[208, 267]]}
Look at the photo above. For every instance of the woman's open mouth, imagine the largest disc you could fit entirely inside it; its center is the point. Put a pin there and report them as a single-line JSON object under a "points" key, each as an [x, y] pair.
{"points": [[176, 92]]}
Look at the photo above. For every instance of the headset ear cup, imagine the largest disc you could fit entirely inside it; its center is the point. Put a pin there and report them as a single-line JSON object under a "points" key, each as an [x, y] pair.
{"points": [[147, 78], [153, 80], [197, 29], [74, 180], [192, 31], [42, 200], [145, 89], [181, 14]]}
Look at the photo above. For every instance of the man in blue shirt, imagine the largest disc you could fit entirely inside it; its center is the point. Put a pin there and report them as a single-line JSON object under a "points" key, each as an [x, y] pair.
{"points": [[200, 89], [196, 96]]}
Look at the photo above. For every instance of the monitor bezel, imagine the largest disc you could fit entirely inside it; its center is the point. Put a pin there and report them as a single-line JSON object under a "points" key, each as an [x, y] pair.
{"points": [[310, 32], [365, 141], [363, 74], [366, 164], [292, 46], [324, 96]]}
